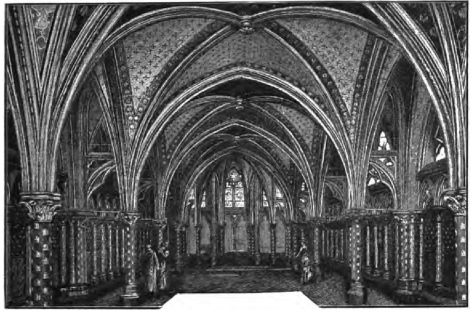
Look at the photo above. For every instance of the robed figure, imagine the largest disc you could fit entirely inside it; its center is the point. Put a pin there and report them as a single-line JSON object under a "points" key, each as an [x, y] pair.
{"points": [[163, 270], [305, 263], [151, 271]]}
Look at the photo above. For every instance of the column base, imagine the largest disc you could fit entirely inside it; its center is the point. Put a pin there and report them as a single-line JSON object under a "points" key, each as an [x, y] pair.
{"points": [[130, 296], [356, 294]]}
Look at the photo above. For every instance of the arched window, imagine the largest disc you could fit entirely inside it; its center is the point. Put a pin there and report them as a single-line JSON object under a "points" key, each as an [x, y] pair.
{"points": [[203, 205], [265, 203], [384, 144], [439, 148], [234, 192]]}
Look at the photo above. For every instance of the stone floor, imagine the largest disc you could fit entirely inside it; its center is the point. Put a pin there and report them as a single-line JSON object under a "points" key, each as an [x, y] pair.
{"points": [[329, 292]]}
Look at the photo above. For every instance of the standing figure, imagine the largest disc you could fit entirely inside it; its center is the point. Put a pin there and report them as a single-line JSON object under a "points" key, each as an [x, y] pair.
{"points": [[163, 255], [152, 269], [305, 264]]}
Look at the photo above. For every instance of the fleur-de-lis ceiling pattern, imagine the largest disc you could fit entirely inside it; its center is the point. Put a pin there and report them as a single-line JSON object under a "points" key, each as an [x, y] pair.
{"points": [[258, 50], [148, 50], [339, 48]]}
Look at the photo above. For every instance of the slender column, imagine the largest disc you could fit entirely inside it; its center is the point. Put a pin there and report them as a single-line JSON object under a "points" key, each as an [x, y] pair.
{"points": [[273, 242], [420, 250], [368, 268], [95, 252], [356, 292], [117, 249], [81, 257], [221, 236], [257, 244], [111, 267], [316, 250], [412, 285], [123, 248], [72, 255], [335, 244], [42, 208], [341, 247], [456, 200], [403, 241], [397, 249], [377, 270], [288, 240], [386, 273], [439, 252], [63, 253], [323, 242], [294, 246], [103, 256], [130, 220], [178, 231], [198, 239]]}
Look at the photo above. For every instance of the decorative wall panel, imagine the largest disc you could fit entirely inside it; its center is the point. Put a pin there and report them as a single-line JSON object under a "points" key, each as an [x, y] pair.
{"points": [[303, 124]]}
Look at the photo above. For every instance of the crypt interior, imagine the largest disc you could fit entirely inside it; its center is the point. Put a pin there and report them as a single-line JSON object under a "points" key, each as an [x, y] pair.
{"points": [[235, 135]]}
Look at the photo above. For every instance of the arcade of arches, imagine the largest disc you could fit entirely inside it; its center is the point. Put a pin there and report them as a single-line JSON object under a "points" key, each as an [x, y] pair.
{"points": [[234, 133]]}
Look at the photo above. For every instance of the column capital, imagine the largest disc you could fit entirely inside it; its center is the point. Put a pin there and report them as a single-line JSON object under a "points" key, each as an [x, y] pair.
{"points": [[456, 200], [42, 206], [131, 218]]}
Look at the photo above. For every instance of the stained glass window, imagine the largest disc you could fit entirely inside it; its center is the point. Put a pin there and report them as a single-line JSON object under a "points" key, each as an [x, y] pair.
{"points": [[439, 144], [203, 200], [384, 145], [234, 192]]}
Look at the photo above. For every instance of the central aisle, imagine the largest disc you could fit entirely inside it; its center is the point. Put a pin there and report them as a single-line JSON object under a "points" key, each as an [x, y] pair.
{"points": [[276, 301]]}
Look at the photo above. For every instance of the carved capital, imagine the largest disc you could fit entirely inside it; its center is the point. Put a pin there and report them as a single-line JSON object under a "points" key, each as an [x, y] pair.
{"points": [[456, 200], [130, 218], [42, 207]]}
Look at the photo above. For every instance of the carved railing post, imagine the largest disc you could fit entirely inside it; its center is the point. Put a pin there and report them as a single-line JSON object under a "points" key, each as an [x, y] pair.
{"points": [[198, 239], [221, 238], [42, 207], [130, 220], [63, 253], [456, 200], [111, 258], [117, 249], [386, 248], [288, 242], [420, 249]]}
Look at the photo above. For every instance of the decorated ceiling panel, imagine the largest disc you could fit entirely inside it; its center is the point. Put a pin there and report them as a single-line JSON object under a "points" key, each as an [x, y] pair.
{"points": [[256, 50], [303, 124], [338, 46], [178, 124], [148, 50]]}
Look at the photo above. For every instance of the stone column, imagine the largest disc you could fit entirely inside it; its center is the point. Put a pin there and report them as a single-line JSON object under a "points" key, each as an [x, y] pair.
{"points": [[356, 292], [273, 242], [295, 247], [316, 250], [341, 247], [103, 254], [72, 257], [123, 248], [81, 252], [456, 200], [420, 250], [323, 242], [42, 208], [288, 242], [377, 269], [117, 249], [95, 253], [403, 240], [368, 268], [221, 238], [386, 257], [130, 294], [111, 267], [257, 244], [439, 252], [63, 253], [198, 239], [178, 262], [412, 225]]}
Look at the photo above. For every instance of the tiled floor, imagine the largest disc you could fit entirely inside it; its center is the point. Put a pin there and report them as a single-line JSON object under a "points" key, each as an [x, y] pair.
{"points": [[328, 292]]}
